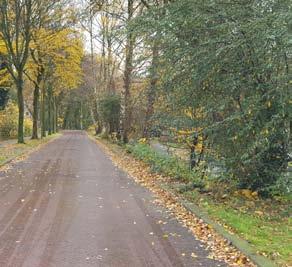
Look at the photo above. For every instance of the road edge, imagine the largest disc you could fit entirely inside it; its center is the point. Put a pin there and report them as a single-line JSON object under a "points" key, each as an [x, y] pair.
{"points": [[29, 152], [238, 242], [235, 240]]}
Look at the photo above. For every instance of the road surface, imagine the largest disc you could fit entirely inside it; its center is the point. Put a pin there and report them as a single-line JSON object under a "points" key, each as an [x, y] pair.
{"points": [[68, 205]]}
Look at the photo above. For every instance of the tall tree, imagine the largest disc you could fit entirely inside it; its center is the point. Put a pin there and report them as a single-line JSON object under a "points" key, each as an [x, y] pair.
{"points": [[49, 14], [230, 65], [16, 20], [129, 50]]}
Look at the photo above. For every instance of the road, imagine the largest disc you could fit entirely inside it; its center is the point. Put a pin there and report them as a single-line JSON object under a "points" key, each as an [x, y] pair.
{"points": [[68, 205]]}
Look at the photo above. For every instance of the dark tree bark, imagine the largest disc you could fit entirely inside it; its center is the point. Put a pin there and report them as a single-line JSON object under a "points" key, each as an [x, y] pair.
{"points": [[36, 100], [49, 96], [128, 77], [43, 113], [55, 115], [36, 94], [20, 102], [193, 161]]}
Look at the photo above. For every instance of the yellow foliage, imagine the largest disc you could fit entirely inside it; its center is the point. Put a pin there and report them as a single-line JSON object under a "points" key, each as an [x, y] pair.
{"points": [[197, 113], [247, 193], [3, 49], [182, 132], [9, 122], [142, 141], [60, 54], [269, 104], [5, 78], [185, 136], [27, 126]]}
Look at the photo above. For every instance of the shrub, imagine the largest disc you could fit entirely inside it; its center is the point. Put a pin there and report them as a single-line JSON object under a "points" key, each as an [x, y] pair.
{"points": [[167, 165], [9, 122], [27, 126], [110, 108]]}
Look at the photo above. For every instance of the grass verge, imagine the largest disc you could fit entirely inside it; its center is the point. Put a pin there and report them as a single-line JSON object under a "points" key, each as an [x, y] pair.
{"points": [[264, 223], [11, 151]]}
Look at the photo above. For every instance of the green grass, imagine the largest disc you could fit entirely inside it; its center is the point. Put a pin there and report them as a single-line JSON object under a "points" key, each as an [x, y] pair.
{"points": [[270, 233], [10, 151]]}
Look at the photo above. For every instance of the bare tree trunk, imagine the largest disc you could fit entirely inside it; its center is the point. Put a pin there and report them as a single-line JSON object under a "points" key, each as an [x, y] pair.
{"points": [[20, 109], [36, 94], [36, 97], [56, 114], [43, 113], [49, 97], [94, 110], [53, 115], [128, 77], [81, 116]]}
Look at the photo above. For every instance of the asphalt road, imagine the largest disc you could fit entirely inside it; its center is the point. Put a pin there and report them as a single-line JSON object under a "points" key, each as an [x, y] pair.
{"points": [[68, 205]]}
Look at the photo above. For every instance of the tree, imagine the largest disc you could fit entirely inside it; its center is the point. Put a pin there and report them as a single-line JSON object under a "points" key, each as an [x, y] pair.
{"points": [[63, 71], [232, 64], [129, 49], [16, 19], [50, 15], [110, 107]]}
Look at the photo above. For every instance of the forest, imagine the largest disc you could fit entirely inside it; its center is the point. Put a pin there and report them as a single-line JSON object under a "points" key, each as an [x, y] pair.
{"points": [[199, 90]]}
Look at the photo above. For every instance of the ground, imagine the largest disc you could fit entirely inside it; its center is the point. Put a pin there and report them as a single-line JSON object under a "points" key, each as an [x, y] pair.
{"points": [[68, 205]]}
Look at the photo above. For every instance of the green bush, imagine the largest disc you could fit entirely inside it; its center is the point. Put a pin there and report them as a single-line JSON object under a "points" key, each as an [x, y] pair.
{"points": [[110, 108], [167, 165]]}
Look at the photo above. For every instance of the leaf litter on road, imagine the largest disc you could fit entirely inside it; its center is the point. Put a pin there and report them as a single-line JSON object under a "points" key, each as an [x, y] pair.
{"points": [[220, 248]]}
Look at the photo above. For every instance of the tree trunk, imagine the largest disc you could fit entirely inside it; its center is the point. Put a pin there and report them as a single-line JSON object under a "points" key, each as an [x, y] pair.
{"points": [[20, 135], [193, 160], [49, 111], [43, 112], [81, 116], [36, 94], [128, 77], [56, 114]]}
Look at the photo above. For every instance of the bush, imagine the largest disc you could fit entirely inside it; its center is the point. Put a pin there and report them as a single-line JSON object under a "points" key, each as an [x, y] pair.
{"points": [[9, 122], [27, 126], [167, 165], [110, 108]]}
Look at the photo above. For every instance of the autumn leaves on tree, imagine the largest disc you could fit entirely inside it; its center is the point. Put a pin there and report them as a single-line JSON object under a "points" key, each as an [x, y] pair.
{"points": [[40, 46]]}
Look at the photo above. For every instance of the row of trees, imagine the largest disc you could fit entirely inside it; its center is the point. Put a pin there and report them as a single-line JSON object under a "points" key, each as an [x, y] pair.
{"points": [[41, 51], [222, 68]]}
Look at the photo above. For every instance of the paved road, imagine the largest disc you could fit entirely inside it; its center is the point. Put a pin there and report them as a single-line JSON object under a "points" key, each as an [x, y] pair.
{"points": [[68, 205]]}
